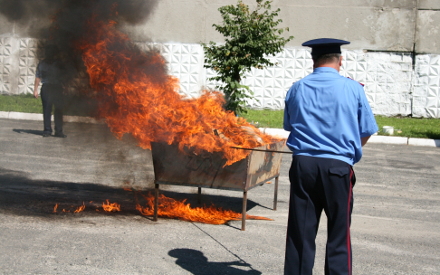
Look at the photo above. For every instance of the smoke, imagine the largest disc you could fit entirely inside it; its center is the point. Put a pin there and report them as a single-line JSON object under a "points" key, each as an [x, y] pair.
{"points": [[26, 11], [66, 19], [62, 23], [23, 11]]}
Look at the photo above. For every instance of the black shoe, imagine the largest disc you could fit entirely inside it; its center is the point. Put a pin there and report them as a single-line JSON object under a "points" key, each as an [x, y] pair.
{"points": [[60, 135], [46, 135]]}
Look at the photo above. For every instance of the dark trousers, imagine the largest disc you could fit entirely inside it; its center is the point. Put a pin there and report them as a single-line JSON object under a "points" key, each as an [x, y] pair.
{"points": [[319, 184], [51, 95]]}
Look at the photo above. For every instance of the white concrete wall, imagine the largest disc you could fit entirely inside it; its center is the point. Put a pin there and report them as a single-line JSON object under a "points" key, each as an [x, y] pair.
{"points": [[426, 91], [392, 86], [370, 24], [17, 65]]}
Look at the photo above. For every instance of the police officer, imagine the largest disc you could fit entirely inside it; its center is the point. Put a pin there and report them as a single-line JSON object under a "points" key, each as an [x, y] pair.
{"points": [[50, 72], [329, 120]]}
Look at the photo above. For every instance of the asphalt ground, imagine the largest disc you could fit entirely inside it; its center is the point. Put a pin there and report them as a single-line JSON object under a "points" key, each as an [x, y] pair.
{"points": [[395, 221]]}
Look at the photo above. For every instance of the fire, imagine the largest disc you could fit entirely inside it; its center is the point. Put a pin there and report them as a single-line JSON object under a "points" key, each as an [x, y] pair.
{"points": [[111, 207], [77, 210], [171, 208], [80, 208], [137, 96]]}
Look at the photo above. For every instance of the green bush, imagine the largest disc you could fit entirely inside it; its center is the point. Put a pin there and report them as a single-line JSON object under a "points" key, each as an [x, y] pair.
{"points": [[249, 38]]}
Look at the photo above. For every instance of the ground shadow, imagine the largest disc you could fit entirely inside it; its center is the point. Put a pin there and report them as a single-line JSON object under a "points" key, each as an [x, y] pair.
{"points": [[20, 195], [433, 135], [27, 131], [196, 263]]}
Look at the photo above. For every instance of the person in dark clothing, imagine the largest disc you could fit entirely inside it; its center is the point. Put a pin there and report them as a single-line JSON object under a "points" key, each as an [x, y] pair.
{"points": [[329, 119], [50, 74]]}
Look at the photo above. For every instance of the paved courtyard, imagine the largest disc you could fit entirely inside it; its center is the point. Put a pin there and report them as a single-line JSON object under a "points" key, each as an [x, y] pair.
{"points": [[395, 228]]}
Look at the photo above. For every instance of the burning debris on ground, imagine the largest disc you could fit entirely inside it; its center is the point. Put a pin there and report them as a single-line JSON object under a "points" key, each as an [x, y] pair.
{"points": [[168, 208]]}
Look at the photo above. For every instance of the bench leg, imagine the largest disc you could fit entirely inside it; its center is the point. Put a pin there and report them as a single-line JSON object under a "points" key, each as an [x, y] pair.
{"points": [[275, 197], [243, 212]]}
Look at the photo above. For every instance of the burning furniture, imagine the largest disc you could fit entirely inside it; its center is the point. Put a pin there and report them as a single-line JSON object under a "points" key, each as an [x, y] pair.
{"points": [[208, 170]]}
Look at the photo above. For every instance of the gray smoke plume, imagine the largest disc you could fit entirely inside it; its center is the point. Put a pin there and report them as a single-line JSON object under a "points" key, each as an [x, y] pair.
{"points": [[68, 18], [62, 23], [26, 11]]}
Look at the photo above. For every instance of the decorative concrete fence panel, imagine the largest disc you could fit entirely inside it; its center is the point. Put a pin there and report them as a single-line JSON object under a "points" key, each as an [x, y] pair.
{"points": [[395, 83]]}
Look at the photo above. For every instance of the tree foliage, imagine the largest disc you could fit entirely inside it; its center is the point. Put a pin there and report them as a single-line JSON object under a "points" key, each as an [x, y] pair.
{"points": [[250, 37]]}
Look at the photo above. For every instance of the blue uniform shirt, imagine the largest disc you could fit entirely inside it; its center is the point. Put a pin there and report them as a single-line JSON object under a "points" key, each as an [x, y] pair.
{"points": [[327, 115]]}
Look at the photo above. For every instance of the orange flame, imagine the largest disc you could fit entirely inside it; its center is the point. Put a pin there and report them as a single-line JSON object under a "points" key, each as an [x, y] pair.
{"points": [[111, 207], [171, 208], [137, 96], [55, 208], [80, 209]]}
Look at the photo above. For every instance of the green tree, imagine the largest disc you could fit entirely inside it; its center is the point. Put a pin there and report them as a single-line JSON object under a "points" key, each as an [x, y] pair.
{"points": [[250, 37]]}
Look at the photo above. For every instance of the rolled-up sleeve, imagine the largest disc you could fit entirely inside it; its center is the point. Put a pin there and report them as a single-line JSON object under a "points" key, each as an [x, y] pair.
{"points": [[367, 122]]}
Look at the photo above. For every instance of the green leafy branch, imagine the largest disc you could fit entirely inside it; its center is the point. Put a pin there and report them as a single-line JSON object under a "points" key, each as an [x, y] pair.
{"points": [[250, 36]]}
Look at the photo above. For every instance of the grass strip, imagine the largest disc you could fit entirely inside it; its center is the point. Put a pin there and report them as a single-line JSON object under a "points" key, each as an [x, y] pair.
{"points": [[20, 103], [27, 103], [411, 127], [403, 126]]}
